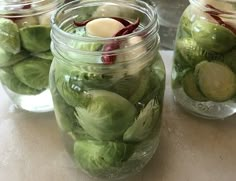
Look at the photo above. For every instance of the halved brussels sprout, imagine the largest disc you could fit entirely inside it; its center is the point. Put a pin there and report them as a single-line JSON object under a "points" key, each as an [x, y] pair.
{"points": [[44, 55], [9, 36], [107, 115], [72, 81], [230, 59], [36, 38], [33, 72], [185, 22], [193, 53], [9, 79], [132, 87], [191, 88], [8, 58], [216, 81], [144, 123], [100, 158], [213, 37], [66, 119]]}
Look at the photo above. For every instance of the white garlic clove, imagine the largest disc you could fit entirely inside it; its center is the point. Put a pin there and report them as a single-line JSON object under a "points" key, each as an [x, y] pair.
{"points": [[26, 21], [137, 51], [45, 19], [103, 27], [107, 10]]}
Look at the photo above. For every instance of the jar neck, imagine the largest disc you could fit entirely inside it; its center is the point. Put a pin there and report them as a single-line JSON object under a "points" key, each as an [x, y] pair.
{"points": [[64, 38], [219, 7], [24, 8]]}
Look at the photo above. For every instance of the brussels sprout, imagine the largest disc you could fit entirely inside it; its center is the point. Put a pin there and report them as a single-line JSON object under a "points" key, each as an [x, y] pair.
{"points": [[33, 72], [230, 59], [66, 119], [44, 55], [185, 22], [106, 116], [9, 79], [72, 81], [35, 38], [9, 36], [216, 81], [144, 123], [132, 87], [100, 158], [193, 53], [213, 37], [191, 88], [8, 58]]}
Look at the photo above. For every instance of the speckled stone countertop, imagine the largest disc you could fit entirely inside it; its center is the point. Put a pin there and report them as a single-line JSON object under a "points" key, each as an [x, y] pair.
{"points": [[191, 148]]}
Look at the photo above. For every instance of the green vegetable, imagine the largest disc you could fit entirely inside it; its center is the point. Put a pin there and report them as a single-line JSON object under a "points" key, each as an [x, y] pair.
{"points": [[230, 59], [66, 119], [36, 38], [99, 157], [192, 53], [216, 81], [9, 36], [185, 23], [191, 88], [8, 58], [213, 37], [33, 72], [44, 55], [106, 116], [9, 79], [144, 123]]}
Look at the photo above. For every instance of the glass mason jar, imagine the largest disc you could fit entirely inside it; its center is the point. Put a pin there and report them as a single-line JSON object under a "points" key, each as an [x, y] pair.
{"points": [[107, 90], [25, 55], [204, 69]]}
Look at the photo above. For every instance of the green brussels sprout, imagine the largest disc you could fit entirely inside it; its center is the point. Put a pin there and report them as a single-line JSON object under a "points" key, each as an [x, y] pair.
{"points": [[9, 79], [8, 59], [44, 55], [192, 53], [65, 116], [230, 59], [107, 115], [33, 72], [191, 88], [144, 123], [216, 81], [213, 37], [100, 158], [36, 38], [9, 36], [185, 23], [72, 81]]}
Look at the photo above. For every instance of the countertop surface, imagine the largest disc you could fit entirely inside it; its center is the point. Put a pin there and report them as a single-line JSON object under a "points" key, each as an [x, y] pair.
{"points": [[191, 148]]}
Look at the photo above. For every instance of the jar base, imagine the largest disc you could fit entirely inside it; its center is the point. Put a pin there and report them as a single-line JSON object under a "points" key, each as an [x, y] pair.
{"points": [[207, 110], [32, 103]]}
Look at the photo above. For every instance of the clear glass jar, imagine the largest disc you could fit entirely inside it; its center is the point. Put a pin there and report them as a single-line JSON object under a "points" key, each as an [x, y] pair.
{"points": [[204, 69], [169, 12], [25, 52], [109, 113]]}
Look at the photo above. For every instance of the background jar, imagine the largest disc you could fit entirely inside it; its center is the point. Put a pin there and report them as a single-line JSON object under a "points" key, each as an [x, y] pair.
{"points": [[25, 55], [109, 114], [204, 69]]}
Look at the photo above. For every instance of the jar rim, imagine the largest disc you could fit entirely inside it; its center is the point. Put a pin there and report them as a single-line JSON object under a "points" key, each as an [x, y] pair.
{"points": [[65, 34], [16, 9]]}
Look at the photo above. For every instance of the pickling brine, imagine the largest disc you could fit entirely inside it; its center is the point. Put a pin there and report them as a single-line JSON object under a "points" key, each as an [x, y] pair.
{"points": [[204, 69], [25, 55], [107, 82]]}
